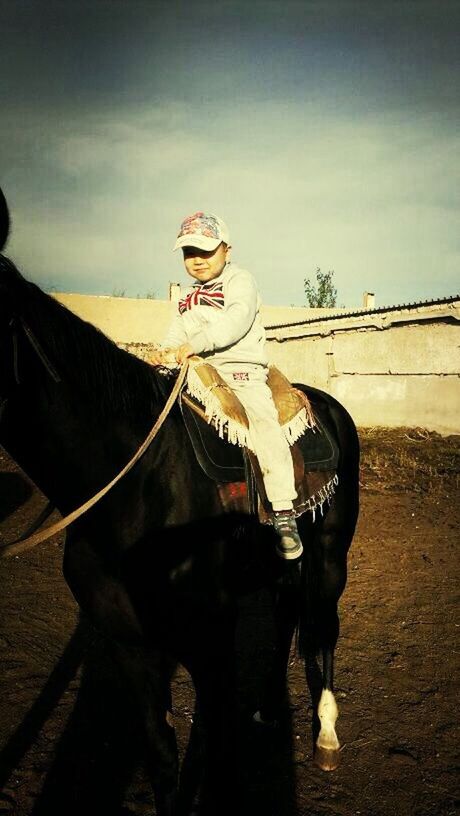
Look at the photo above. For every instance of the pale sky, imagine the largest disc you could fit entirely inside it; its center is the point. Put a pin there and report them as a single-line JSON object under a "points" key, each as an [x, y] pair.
{"points": [[326, 134]]}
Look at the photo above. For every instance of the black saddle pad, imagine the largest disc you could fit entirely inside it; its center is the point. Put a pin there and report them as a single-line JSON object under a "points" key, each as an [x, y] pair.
{"points": [[220, 460], [225, 463]]}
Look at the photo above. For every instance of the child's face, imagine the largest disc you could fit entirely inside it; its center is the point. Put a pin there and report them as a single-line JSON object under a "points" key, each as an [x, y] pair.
{"points": [[205, 266]]}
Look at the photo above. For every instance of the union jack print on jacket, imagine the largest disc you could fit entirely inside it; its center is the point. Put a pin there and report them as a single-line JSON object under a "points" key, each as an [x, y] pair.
{"points": [[206, 294]]}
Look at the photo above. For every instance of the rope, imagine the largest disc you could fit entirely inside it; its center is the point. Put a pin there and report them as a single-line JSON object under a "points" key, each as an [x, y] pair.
{"points": [[7, 550]]}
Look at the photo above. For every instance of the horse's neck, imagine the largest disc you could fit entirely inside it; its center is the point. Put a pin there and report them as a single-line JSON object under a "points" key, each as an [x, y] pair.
{"points": [[71, 451], [72, 438]]}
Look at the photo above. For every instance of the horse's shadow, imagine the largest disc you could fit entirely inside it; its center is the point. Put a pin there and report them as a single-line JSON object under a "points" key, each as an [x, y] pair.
{"points": [[98, 760], [100, 749]]}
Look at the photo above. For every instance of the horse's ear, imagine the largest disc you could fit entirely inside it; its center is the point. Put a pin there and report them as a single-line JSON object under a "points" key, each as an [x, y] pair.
{"points": [[4, 220]]}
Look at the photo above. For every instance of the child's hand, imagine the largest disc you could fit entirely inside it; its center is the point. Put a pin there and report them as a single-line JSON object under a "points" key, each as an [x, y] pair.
{"points": [[157, 357], [183, 352]]}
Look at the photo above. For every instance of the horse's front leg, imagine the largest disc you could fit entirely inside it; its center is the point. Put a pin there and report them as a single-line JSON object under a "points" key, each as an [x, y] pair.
{"points": [[148, 675], [104, 598], [286, 612], [321, 685], [212, 666]]}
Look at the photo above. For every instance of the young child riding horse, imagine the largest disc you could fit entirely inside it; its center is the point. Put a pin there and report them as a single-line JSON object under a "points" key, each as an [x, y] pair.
{"points": [[218, 319]]}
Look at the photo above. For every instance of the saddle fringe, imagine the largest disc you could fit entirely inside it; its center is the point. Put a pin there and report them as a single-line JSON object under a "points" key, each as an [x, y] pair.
{"points": [[318, 499], [296, 427]]}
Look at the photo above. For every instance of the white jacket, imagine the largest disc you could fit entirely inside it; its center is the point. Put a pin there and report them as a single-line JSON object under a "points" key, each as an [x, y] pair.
{"points": [[220, 319]]}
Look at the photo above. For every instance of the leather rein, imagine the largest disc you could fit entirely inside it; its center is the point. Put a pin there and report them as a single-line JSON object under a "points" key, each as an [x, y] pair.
{"points": [[21, 545]]}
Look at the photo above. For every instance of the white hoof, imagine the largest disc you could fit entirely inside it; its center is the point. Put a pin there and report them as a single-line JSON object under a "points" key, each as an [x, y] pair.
{"points": [[328, 759]]}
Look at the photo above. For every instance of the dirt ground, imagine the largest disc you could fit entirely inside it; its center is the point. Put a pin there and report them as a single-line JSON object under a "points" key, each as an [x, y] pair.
{"points": [[68, 735]]}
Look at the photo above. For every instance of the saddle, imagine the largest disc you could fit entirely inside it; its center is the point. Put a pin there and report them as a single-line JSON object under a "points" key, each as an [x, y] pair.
{"points": [[219, 431]]}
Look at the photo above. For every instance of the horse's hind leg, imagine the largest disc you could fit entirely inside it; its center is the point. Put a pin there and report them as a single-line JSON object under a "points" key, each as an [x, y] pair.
{"points": [[327, 578], [327, 746]]}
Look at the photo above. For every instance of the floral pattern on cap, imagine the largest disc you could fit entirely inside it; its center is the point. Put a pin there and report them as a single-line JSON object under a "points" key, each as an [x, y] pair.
{"points": [[201, 223]]}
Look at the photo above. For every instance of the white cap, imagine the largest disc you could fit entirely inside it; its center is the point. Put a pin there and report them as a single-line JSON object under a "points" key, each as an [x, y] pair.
{"points": [[203, 230]]}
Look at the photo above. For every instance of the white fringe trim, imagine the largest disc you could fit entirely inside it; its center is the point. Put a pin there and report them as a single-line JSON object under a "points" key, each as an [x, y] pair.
{"points": [[297, 426], [324, 494], [235, 433]]}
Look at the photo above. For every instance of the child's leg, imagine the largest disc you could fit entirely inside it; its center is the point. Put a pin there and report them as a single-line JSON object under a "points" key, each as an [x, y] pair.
{"points": [[269, 442], [272, 450]]}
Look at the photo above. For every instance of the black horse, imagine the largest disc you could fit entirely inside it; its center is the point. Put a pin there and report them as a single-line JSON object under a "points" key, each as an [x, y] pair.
{"points": [[157, 564]]}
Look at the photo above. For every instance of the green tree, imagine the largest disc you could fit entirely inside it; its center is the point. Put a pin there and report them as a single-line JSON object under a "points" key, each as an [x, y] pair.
{"points": [[323, 293]]}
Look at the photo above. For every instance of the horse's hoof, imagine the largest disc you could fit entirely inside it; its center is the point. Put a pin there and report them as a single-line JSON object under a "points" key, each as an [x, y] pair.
{"points": [[328, 759], [257, 718]]}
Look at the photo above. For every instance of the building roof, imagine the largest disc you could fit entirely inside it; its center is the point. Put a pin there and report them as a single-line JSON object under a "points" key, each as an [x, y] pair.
{"points": [[364, 311]]}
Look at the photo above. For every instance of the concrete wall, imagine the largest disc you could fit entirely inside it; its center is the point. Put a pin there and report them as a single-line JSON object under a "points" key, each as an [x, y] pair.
{"points": [[122, 319], [395, 367]]}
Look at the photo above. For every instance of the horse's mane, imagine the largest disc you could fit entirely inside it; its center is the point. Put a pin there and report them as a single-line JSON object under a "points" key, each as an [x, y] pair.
{"points": [[117, 382]]}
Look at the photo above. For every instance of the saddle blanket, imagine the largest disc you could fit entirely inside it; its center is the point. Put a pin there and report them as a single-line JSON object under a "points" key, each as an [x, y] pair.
{"points": [[214, 415]]}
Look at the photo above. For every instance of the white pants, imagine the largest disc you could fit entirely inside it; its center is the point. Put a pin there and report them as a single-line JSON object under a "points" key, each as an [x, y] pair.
{"points": [[269, 442]]}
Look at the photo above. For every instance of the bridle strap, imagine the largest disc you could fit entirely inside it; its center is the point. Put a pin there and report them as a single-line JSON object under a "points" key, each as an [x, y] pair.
{"points": [[7, 550], [43, 357], [39, 351], [13, 324], [15, 352]]}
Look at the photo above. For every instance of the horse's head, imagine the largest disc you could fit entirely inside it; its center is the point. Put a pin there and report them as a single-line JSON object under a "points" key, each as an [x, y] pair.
{"points": [[43, 343]]}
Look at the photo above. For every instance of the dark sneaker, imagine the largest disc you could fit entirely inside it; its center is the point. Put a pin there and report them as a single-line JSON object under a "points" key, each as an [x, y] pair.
{"points": [[289, 545]]}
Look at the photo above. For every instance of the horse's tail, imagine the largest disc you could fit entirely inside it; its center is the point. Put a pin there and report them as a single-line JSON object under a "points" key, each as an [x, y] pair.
{"points": [[4, 221]]}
